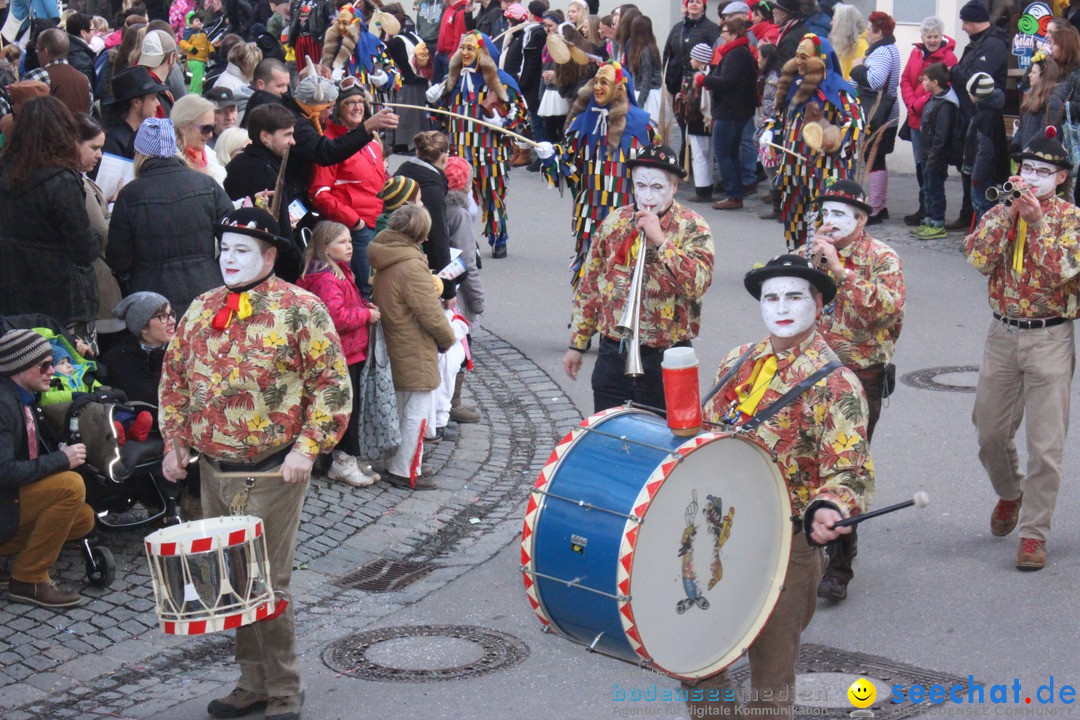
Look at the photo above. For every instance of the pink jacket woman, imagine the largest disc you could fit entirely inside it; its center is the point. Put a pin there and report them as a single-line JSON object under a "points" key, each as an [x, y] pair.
{"points": [[347, 309], [911, 90]]}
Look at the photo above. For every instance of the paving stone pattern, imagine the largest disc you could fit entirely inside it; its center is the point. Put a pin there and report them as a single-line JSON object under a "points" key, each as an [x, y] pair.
{"points": [[107, 658]]}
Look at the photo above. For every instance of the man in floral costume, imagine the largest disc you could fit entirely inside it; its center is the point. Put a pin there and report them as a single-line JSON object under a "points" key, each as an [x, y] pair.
{"points": [[255, 381], [605, 129], [861, 325], [678, 251], [818, 435], [477, 88], [1031, 255], [812, 91]]}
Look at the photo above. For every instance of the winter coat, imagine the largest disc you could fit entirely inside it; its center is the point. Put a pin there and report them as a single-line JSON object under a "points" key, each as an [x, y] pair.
{"points": [[16, 467], [939, 119], [161, 235], [532, 64], [911, 89], [120, 140], [347, 308], [428, 15], [647, 79], [460, 218], [320, 18], [134, 369], [684, 36], [490, 19], [787, 42], [1034, 123], [82, 58], [413, 321], [47, 246], [454, 23], [987, 52], [97, 210], [765, 32], [986, 149], [346, 192], [733, 84], [432, 182], [70, 87], [233, 78]]}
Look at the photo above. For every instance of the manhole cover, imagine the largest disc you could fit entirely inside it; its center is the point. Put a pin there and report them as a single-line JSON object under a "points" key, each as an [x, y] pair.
{"points": [[384, 575], [824, 674], [927, 379], [424, 653]]}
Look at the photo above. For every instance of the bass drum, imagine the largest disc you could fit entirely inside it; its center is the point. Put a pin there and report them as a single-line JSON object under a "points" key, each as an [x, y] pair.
{"points": [[655, 549]]}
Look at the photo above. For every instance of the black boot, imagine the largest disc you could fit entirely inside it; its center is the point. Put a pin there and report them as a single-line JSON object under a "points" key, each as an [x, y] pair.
{"points": [[702, 194], [915, 219]]}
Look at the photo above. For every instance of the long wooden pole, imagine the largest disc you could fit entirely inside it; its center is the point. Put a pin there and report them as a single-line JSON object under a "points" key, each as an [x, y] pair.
{"points": [[466, 118], [789, 152]]}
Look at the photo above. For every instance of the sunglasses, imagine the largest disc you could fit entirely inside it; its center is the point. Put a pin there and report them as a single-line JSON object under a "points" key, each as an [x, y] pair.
{"points": [[44, 367], [205, 129]]}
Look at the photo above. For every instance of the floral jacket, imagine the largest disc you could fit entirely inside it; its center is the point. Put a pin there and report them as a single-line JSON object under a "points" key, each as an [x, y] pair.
{"points": [[820, 437], [864, 322], [676, 278], [1045, 286], [273, 379]]}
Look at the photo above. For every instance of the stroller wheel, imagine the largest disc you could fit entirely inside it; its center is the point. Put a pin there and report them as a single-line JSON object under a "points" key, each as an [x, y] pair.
{"points": [[100, 567]]}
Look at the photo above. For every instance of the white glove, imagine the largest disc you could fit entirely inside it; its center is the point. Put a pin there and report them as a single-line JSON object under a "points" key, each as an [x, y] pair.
{"points": [[545, 150], [435, 92], [766, 139], [337, 74], [498, 119], [379, 79]]}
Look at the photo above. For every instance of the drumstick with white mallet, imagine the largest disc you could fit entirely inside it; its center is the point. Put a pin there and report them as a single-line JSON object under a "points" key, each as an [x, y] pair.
{"points": [[920, 500]]}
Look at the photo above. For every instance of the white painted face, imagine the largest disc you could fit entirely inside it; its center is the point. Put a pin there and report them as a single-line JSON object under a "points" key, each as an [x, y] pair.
{"points": [[654, 189], [840, 216], [1043, 187], [788, 306], [241, 259]]}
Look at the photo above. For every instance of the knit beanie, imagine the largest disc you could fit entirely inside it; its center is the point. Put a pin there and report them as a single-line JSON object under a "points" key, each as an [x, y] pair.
{"points": [[457, 172], [537, 8], [396, 192], [20, 350], [974, 11], [980, 85], [702, 53], [137, 309]]}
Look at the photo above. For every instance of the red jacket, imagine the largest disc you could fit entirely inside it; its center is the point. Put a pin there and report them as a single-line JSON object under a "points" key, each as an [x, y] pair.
{"points": [[911, 89], [451, 28], [347, 309], [346, 192], [766, 32]]}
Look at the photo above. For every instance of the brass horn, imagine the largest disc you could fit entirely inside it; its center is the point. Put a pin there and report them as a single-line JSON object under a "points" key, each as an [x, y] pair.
{"points": [[1007, 192], [630, 323]]}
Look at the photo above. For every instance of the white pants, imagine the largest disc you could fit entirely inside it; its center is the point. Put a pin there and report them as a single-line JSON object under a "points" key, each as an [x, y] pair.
{"points": [[701, 159], [416, 412], [449, 367]]}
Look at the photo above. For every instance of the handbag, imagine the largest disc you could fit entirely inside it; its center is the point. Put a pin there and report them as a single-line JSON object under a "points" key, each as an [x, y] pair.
{"points": [[379, 428], [1070, 138], [880, 118]]}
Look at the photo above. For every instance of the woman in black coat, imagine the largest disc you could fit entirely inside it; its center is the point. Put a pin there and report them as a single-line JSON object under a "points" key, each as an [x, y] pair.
{"points": [[161, 235], [47, 245]]}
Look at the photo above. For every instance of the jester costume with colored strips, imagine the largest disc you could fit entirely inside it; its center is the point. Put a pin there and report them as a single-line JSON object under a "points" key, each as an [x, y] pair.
{"points": [[350, 49], [473, 83], [605, 128], [814, 91]]}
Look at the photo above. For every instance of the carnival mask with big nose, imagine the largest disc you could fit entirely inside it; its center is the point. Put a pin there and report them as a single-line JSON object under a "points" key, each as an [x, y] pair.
{"points": [[653, 189], [788, 306], [604, 85], [469, 49], [803, 53], [241, 260]]}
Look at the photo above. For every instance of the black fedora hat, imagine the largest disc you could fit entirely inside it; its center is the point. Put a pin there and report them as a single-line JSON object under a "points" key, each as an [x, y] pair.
{"points": [[1045, 147], [845, 191], [135, 82], [658, 156], [253, 222], [790, 266]]}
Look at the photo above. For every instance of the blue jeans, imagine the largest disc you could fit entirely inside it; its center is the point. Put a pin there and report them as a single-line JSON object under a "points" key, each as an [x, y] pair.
{"points": [[916, 145], [934, 195], [748, 152], [979, 201], [727, 139], [360, 267], [442, 66]]}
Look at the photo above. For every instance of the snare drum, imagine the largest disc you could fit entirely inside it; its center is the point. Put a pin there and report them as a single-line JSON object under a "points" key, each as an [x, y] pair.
{"points": [[210, 575], [656, 549]]}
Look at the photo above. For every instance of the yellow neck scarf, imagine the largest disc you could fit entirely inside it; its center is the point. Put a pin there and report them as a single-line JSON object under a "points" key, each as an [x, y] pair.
{"points": [[1018, 246], [751, 391]]}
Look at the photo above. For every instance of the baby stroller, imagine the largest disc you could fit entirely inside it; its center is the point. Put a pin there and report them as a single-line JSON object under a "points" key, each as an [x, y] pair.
{"points": [[124, 483]]}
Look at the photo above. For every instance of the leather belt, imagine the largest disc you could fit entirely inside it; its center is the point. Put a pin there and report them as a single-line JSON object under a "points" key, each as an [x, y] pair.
{"points": [[1030, 324], [645, 349], [267, 463]]}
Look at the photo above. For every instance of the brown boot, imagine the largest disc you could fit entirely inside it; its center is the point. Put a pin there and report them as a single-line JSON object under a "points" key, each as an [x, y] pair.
{"points": [[1006, 513], [520, 158], [1032, 554], [238, 703], [459, 412], [44, 594]]}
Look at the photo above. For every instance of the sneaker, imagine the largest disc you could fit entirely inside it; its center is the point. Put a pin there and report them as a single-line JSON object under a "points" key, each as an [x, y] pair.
{"points": [[1031, 555], [236, 704], [1005, 515], [832, 588], [422, 483], [284, 708], [729, 204], [345, 470], [464, 414], [930, 232], [917, 231], [43, 594], [368, 471], [139, 429]]}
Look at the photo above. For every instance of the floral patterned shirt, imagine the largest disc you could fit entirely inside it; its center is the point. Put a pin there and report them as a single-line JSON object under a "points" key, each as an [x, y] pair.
{"points": [[677, 274], [820, 437], [1045, 287], [273, 379], [865, 319]]}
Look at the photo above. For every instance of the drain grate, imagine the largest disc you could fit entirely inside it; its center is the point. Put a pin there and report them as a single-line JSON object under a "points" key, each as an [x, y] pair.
{"points": [[828, 698], [385, 575], [421, 653], [926, 379]]}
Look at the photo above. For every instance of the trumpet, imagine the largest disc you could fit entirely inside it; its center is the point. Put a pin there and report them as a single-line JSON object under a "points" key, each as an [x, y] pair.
{"points": [[630, 322], [1007, 193]]}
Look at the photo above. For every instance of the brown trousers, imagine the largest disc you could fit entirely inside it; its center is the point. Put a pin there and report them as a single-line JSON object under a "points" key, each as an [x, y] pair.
{"points": [[52, 511], [774, 654]]}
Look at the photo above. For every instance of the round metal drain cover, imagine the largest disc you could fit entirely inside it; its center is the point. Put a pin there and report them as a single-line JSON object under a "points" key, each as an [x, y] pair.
{"points": [[424, 653], [927, 379]]}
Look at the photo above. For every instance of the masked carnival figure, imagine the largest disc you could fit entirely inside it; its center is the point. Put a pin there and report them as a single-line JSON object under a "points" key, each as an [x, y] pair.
{"points": [[350, 49], [604, 129]]}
